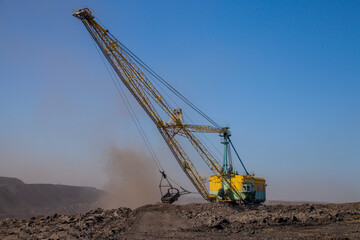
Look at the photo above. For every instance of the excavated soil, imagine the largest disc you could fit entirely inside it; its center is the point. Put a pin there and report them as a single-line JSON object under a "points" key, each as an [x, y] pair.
{"points": [[195, 221]]}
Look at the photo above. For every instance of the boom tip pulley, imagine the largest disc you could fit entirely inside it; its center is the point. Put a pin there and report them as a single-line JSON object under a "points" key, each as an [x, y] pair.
{"points": [[83, 14]]}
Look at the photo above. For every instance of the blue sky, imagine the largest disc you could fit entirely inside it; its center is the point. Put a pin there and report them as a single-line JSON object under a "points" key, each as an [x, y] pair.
{"points": [[284, 75]]}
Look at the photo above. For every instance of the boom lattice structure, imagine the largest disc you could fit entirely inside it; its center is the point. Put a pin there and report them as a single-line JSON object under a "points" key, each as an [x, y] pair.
{"points": [[155, 105]]}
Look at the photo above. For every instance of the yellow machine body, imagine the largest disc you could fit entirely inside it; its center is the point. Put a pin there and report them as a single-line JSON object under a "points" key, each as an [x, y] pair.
{"points": [[250, 188]]}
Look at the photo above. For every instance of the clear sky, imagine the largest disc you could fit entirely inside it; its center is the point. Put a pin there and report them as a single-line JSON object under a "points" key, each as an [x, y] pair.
{"points": [[284, 75]]}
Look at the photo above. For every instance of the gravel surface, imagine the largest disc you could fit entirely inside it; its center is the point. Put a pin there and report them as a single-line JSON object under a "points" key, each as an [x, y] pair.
{"points": [[195, 221]]}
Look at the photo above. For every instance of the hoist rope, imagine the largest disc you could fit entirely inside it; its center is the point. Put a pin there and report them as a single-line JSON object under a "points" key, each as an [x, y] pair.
{"points": [[130, 109], [132, 113]]}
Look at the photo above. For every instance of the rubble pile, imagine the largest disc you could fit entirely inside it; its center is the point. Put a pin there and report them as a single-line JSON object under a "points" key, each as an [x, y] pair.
{"points": [[194, 221]]}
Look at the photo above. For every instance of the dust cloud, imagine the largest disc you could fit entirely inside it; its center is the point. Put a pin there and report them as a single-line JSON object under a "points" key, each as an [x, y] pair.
{"points": [[133, 179]]}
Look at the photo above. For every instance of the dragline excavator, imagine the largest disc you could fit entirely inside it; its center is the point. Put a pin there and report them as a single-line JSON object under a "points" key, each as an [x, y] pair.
{"points": [[225, 184]]}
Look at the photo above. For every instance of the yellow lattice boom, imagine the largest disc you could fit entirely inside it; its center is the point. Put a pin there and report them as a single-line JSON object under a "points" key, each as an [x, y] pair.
{"points": [[150, 100]]}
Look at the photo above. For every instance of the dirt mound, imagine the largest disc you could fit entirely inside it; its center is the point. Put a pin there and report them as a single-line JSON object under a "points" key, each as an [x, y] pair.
{"points": [[195, 221], [20, 200]]}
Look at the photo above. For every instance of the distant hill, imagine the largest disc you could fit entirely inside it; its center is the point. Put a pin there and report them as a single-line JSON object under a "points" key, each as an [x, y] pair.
{"points": [[20, 200]]}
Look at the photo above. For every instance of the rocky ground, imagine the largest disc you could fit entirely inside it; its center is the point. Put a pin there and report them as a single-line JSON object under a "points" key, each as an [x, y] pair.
{"points": [[195, 221]]}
